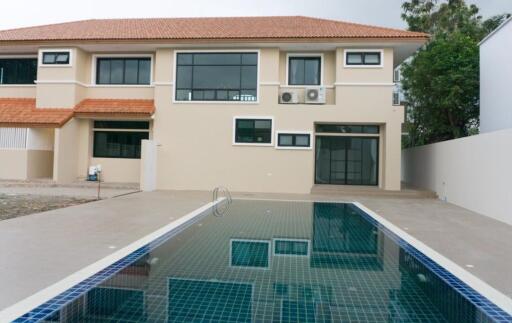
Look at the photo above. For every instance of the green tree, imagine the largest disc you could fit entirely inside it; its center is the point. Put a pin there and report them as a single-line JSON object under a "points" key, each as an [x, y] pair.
{"points": [[441, 82]]}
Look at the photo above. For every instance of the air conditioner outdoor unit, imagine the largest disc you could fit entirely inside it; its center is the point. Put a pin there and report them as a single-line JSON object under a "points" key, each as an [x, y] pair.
{"points": [[315, 95], [288, 97]]}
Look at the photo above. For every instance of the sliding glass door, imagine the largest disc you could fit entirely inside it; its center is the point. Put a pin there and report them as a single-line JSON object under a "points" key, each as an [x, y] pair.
{"points": [[343, 160]]}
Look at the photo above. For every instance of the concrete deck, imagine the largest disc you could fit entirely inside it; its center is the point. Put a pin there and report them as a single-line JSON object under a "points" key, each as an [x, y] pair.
{"points": [[40, 249]]}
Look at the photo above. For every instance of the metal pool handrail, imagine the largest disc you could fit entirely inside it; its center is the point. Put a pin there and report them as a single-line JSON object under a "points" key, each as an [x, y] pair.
{"points": [[221, 211]]}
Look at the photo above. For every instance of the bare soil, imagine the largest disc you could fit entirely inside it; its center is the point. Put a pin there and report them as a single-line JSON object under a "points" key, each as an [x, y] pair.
{"points": [[15, 205]]}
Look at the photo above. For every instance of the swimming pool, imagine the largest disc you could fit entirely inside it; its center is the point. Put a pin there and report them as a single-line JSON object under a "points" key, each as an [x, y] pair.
{"points": [[273, 261]]}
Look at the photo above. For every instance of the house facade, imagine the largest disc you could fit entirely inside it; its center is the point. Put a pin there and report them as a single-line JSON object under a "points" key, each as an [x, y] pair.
{"points": [[256, 104], [495, 79]]}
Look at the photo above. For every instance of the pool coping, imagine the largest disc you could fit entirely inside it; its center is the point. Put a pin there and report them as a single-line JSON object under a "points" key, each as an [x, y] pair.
{"points": [[25, 306], [485, 297]]}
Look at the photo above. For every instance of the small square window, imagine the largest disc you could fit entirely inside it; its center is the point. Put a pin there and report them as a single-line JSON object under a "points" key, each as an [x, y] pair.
{"points": [[354, 58], [372, 58], [56, 58]]}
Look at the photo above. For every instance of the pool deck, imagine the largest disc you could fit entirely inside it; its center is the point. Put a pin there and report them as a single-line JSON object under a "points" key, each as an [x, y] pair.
{"points": [[41, 249]]}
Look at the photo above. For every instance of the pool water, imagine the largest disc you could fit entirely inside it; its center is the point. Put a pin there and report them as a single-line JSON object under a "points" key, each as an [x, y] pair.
{"points": [[276, 261]]}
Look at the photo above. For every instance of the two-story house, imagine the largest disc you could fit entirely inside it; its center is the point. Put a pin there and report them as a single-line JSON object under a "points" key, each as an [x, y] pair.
{"points": [[263, 104]]}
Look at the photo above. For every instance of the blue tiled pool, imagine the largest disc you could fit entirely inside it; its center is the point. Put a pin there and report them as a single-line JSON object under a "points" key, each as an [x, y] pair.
{"points": [[273, 261]]}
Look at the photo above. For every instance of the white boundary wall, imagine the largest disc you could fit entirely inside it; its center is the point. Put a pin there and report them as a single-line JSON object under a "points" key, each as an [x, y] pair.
{"points": [[473, 172]]}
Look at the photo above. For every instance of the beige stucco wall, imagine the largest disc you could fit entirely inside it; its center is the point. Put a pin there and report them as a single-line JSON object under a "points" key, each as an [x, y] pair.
{"points": [[114, 170], [39, 163], [118, 170], [13, 164], [22, 164], [66, 152], [20, 91], [116, 92], [196, 150]]}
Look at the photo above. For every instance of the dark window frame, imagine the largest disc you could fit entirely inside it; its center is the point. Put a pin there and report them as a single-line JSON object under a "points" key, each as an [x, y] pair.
{"points": [[17, 63], [304, 59], [119, 128], [254, 142], [294, 140], [347, 128], [56, 53], [346, 180], [216, 98], [363, 55], [139, 59]]}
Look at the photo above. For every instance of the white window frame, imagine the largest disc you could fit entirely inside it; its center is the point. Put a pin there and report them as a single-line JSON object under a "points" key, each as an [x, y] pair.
{"points": [[298, 132], [94, 64], [346, 51], [19, 56], [274, 240], [397, 75], [271, 144], [54, 50], [175, 66], [322, 70]]}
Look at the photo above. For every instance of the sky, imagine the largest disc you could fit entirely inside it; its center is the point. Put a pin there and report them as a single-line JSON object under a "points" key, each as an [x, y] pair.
{"points": [[386, 13]]}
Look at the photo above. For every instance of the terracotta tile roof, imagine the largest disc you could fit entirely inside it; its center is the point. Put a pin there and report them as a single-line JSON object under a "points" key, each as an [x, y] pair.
{"points": [[115, 107], [23, 113], [220, 28]]}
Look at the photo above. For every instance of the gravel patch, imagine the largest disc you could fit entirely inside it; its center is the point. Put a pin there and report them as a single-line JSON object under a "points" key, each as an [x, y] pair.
{"points": [[14, 205]]}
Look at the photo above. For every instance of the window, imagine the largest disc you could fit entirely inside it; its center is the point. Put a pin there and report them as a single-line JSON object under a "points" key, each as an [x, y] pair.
{"points": [[253, 131], [304, 70], [340, 128], [56, 58], [123, 71], [363, 58], [119, 139], [397, 75], [18, 70], [295, 140], [216, 76]]}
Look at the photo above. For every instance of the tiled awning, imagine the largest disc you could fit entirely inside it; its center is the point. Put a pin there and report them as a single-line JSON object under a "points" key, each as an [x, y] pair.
{"points": [[22, 112], [115, 108]]}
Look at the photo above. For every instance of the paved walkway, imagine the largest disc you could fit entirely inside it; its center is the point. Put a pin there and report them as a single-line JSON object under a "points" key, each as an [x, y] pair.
{"points": [[41, 249]]}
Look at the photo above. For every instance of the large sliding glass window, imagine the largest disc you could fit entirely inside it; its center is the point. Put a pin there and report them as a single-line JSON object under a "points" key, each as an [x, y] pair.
{"points": [[119, 139], [18, 70], [216, 76], [123, 71]]}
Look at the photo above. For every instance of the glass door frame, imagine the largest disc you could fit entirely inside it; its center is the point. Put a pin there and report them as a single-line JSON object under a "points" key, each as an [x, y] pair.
{"points": [[359, 136]]}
